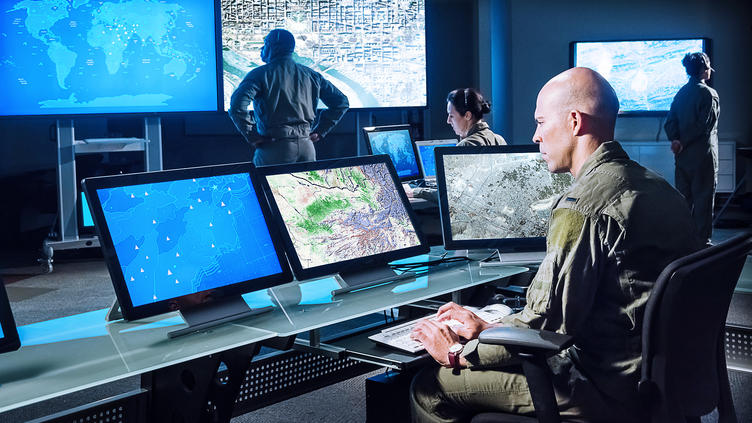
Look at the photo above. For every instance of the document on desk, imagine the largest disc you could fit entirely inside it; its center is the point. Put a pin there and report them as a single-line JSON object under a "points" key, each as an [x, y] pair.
{"points": [[399, 336]]}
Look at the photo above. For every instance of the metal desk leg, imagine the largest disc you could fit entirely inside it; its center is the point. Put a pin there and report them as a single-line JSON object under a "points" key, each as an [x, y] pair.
{"points": [[194, 391]]}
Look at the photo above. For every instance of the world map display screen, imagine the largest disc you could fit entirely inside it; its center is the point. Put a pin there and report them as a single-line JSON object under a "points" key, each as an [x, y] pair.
{"points": [[107, 56], [399, 146], [187, 236], [497, 196], [344, 213], [646, 75], [374, 51]]}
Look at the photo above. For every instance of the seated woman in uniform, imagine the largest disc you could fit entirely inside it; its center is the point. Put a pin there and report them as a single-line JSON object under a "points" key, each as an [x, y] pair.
{"points": [[465, 110]]}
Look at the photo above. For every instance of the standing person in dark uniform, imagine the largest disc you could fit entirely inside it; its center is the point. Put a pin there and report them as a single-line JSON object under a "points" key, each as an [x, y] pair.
{"points": [[465, 110], [692, 127], [284, 96]]}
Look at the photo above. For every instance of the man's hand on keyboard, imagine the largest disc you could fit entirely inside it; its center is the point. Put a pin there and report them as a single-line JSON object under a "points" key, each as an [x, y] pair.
{"points": [[472, 325], [436, 337]]}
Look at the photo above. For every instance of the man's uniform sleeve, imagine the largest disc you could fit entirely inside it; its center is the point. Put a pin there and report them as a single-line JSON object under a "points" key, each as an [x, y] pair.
{"points": [[239, 102], [336, 103], [562, 291], [672, 123]]}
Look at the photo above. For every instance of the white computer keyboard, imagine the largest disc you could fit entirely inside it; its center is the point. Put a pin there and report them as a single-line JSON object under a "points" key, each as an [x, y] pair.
{"points": [[399, 336]]}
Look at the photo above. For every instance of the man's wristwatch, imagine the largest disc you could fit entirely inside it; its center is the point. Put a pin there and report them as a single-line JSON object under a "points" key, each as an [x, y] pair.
{"points": [[454, 355]]}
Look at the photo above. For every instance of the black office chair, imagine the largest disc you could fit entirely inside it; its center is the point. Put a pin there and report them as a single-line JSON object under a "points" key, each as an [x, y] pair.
{"points": [[683, 360]]}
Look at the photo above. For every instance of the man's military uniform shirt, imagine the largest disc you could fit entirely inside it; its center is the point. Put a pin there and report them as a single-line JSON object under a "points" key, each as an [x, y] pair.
{"points": [[610, 235]]}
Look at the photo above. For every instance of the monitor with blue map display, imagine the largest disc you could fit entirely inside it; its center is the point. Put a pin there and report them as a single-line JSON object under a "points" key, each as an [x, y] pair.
{"points": [[395, 141], [646, 74], [346, 216], [107, 56], [9, 340], [426, 155], [185, 239]]}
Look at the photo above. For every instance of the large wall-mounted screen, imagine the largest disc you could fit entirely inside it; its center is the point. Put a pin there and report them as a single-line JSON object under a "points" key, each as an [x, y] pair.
{"points": [[374, 51], [646, 74], [108, 56]]}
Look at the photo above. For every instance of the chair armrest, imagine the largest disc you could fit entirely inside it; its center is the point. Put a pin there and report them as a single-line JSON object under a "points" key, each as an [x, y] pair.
{"points": [[526, 339]]}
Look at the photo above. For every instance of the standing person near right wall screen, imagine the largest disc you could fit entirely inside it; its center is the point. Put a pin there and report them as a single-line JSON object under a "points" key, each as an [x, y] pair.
{"points": [[692, 127]]}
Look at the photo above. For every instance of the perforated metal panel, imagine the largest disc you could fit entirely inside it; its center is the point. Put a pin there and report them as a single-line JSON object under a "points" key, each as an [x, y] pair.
{"points": [[292, 373], [739, 348], [125, 408]]}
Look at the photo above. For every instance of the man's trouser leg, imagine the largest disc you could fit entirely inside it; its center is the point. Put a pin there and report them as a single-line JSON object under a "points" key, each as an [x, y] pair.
{"points": [[438, 395], [703, 195]]}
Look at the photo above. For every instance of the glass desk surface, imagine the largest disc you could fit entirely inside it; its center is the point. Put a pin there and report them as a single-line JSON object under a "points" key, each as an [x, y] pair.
{"points": [[308, 305], [77, 352]]}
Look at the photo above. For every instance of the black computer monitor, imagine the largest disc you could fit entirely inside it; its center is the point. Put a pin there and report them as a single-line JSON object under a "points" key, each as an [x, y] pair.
{"points": [[497, 197], [427, 159], [346, 216], [9, 340], [190, 239], [397, 142]]}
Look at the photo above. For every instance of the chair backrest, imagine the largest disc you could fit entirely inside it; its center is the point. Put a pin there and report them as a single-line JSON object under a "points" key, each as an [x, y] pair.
{"points": [[683, 361]]}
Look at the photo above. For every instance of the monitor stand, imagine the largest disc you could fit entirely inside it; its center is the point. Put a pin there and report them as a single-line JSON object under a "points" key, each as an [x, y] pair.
{"points": [[373, 276], [512, 258], [215, 313]]}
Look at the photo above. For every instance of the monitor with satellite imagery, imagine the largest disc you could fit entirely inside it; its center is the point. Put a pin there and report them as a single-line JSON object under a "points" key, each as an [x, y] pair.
{"points": [[97, 57], [646, 74], [396, 141], [346, 216], [374, 51], [192, 240], [497, 197], [427, 159], [9, 340]]}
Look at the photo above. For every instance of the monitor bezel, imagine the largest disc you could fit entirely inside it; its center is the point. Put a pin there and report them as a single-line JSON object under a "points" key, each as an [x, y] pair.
{"points": [[501, 244], [10, 340], [388, 128], [218, 65], [352, 264], [437, 144], [131, 312], [706, 47]]}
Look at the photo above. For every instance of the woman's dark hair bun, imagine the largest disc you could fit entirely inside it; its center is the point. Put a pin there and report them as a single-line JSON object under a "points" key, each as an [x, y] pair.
{"points": [[485, 107]]}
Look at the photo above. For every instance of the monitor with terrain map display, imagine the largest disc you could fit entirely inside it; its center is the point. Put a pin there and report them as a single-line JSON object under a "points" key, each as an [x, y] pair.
{"points": [[497, 197], [346, 216]]}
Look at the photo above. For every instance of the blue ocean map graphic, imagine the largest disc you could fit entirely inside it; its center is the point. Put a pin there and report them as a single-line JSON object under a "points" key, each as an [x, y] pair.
{"points": [[398, 146], [181, 237], [646, 75], [96, 56], [428, 157]]}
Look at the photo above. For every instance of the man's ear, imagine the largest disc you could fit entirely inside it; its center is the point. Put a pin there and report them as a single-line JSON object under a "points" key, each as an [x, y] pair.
{"points": [[576, 122]]}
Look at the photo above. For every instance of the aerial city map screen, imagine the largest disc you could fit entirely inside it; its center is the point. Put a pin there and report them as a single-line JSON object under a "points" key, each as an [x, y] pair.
{"points": [[492, 196], [374, 51], [186, 236], [107, 56], [646, 75], [339, 214]]}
